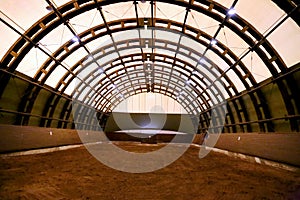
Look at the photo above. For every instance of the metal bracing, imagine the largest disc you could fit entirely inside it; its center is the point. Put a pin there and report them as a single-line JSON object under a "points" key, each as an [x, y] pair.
{"points": [[288, 6], [257, 42], [103, 49], [63, 56], [79, 10], [37, 85]]}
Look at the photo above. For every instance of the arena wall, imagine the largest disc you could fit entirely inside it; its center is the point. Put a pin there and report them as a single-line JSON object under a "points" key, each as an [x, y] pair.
{"points": [[281, 147]]}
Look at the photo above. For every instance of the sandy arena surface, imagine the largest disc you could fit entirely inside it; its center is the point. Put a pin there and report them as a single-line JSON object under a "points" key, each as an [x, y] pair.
{"points": [[76, 174]]}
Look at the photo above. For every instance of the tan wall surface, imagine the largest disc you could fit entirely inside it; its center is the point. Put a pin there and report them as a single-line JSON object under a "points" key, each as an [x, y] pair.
{"points": [[16, 138], [282, 147]]}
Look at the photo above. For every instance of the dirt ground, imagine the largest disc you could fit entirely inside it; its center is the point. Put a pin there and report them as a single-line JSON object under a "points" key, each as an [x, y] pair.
{"points": [[76, 174]]}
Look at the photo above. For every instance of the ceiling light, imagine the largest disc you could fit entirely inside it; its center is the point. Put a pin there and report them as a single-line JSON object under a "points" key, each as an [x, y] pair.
{"points": [[201, 60], [189, 82], [231, 11], [213, 42], [90, 57], [101, 70], [75, 39]]}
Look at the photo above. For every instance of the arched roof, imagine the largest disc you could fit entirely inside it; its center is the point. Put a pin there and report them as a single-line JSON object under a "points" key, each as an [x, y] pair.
{"points": [[111, 50]]}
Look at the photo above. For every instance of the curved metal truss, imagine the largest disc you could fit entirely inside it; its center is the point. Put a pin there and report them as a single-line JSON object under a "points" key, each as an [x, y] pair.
{"points": [[141, 72]]}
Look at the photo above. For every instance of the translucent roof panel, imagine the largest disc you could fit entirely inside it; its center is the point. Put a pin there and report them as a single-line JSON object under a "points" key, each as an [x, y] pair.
{"points": [[167, 35], [19, 11], [256, 67], [59, 3], [236, 44], [287, 44], [56, 38], [189, 42], [221, 64], [119, 11], [70, 88], [55, 76], [202, 22], [129, 34], [255, 13], [235, 79], [109, 57], [150, 102], [32, 62], [144, 9], [226, 3], [86, 20], [75, 57], [288, 32], [8, 41], [169, 11], [99, 43]]}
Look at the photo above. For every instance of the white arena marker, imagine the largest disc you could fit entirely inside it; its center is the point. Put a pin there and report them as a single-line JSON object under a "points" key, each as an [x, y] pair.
{"points": [[257, 160], [50, 133], [241, 156], [239, 138]]}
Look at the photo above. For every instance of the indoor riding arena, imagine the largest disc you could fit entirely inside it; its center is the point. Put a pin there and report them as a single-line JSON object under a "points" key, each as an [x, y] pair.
{"points": [[144, 99]]}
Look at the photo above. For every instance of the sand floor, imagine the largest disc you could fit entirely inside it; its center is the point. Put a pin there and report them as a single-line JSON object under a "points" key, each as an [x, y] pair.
{"points": [[76, 174]]}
